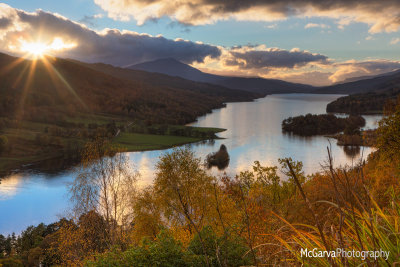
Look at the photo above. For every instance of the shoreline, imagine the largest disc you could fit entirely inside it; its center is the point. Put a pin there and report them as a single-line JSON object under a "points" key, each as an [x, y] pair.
{"points": [[33, 165]]}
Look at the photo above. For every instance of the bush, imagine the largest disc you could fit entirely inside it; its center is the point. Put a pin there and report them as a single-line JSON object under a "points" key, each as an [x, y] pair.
{"points": [[3, 143], [42, 139], [388, 141], [164, 251], [11, 262], [3, 124], [226, 250]]}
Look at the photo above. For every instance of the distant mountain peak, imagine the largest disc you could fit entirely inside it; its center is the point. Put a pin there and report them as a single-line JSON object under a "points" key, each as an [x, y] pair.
{"points": [[160, 61], [172, 67], [167, 59]]}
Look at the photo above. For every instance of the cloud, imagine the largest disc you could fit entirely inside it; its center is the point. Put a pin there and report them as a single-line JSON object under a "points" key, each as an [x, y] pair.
{"points": [[121, 48], [317, 73], [395, 41], [209, 11], [126, 47], [89, 20], [4, 23], [271, 26], [316, 78], [315, 25], [352, 68], [261, 57], [110, 45]]}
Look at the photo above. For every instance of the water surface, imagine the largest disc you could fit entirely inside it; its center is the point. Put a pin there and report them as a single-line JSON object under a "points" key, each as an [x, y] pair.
{"points": [[253, 133]]}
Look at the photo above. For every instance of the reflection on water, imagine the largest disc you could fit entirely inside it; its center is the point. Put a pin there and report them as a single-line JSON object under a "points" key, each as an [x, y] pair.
{"points": [[9, 186], [253, 133], [29, 199], [351, 151]]}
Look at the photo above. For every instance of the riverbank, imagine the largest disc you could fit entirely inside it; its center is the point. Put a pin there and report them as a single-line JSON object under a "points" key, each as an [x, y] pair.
{"points": [[31, 145]]}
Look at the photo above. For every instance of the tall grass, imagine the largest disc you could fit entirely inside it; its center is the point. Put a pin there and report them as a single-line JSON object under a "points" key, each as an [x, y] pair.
{"points": [[355, 222]]}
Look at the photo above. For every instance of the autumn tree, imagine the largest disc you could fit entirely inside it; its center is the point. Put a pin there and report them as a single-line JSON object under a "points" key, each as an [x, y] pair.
{"points": [[148, 219], [184, 190], [105, 184], [388, 140]]}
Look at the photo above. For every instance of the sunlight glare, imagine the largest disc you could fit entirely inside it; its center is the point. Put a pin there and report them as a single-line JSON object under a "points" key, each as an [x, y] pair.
{"points": [[39, 49], [36, 49]]}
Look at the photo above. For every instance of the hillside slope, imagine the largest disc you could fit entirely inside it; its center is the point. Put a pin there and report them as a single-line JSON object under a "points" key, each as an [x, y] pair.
{"points": [[379, 83], [175, 68], [36, 90], [365, 103], [172, 67], [368, 96], [169, 82]]}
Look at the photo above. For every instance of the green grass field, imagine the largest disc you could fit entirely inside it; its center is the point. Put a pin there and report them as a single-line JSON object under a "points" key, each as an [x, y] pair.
{"points": [[140, 142]]}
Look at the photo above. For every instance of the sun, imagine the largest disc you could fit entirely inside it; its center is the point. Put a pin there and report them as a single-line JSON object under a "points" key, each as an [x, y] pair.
{"points": [[37, 50]]}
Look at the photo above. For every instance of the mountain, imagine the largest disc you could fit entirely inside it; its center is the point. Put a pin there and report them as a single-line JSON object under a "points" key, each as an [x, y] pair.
{"points": [[359, 78], [377, 83], [367, 96], [175, 68], [56, 89], [167, 82], [172, 67]]}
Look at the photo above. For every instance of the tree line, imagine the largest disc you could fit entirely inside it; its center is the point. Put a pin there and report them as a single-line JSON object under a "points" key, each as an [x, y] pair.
{"points": [[365, 103], [311, 124]]}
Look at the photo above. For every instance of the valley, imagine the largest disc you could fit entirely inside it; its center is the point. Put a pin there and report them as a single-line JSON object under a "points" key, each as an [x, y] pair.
{"points": [[199, 133]]}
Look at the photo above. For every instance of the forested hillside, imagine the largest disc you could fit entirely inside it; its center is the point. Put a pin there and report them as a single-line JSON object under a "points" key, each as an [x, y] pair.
{"points": [[53, 89], [366, 103]]}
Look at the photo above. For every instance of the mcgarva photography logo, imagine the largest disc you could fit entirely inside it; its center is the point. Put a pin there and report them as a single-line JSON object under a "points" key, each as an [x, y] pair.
{"points": [[316, 253]]}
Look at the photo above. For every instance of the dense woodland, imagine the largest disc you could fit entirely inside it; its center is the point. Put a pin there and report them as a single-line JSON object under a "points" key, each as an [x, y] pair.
{"points": [[311, 124], [365, 103], [187, 217]]}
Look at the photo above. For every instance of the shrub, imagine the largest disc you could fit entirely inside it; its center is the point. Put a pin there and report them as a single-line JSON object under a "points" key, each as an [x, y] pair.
{"points": [[163, 251], [3, 143]]}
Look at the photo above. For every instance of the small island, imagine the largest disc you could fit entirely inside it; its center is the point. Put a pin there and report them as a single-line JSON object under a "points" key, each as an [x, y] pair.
{"points": [[323, 124], [220, 159]]}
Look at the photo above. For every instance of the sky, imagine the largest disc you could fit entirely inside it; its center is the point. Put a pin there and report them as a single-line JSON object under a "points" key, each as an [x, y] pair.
{"points": [[308, 41]]}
